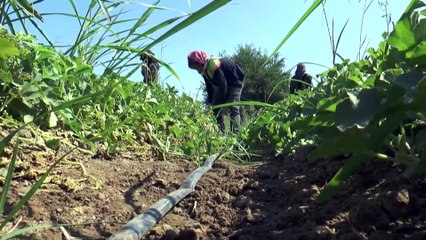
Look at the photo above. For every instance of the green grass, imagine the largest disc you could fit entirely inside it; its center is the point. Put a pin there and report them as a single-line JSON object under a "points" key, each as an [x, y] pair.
{"points": [[373, 107]]}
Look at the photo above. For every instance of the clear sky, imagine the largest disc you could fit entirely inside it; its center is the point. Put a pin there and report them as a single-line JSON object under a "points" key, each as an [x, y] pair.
{"points": [[261, 23]]}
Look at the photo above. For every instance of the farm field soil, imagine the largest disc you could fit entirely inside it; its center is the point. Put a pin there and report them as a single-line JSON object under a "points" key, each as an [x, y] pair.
{"points": [[272, 199]]}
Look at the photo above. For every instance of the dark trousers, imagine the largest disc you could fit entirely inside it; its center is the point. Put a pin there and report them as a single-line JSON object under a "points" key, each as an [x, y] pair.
{"points": [[232, 95]]}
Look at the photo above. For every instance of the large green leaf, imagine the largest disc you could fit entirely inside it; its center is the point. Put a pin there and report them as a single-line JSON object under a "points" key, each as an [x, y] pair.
{"points": [[329, 104], [20, 107], [418, 103], [348, 142], [372, 141], [409, 82], [6, 76], [403, 36], [358, 109], [8, 48], [420, 30], [418, 54]]}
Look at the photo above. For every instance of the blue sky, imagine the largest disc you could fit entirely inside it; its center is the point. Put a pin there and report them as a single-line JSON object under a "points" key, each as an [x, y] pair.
{"points": [[261, 23]]}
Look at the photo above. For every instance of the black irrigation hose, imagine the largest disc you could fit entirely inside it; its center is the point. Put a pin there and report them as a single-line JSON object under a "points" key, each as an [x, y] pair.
{"points": [[141, 224]]}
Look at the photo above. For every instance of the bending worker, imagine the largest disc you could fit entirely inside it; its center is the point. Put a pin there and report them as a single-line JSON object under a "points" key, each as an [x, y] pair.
{"points": [[303, 79], [224, 81]]}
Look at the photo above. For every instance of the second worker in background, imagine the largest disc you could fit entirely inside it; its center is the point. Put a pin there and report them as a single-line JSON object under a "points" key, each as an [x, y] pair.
{"points": [[301, 80]]}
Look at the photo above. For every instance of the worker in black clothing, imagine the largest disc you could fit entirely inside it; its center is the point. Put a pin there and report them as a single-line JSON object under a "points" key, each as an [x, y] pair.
{"points": [[301, 80], [224, 81], [149, 67]]}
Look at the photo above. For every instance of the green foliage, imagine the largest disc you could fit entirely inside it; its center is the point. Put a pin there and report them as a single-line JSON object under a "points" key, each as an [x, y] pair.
{"points": [[261, 80], [52, 89], [41, 79], [373, 108]]}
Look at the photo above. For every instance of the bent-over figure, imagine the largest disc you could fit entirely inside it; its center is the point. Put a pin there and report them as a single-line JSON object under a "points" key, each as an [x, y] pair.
{"points": [[149, 67]]}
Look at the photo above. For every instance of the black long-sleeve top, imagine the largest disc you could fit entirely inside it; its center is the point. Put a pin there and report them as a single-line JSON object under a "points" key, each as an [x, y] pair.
{"points": [[219, 74]]}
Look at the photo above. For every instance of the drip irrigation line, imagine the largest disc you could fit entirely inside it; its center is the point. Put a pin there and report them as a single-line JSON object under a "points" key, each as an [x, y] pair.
{"points": [[141, 224]]}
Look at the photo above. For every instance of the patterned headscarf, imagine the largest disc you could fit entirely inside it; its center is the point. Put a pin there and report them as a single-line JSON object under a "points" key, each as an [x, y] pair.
{"points": [[197, 56]]}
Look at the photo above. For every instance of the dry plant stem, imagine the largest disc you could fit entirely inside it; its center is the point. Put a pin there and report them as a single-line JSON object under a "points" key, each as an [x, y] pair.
{"points": [[362, 42], [98, 182], [67, 235], [16, 225]]}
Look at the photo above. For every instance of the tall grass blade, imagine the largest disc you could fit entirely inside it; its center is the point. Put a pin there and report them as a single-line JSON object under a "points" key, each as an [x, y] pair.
{"points": [[27, 230], [276, 87], [33, 190], [338, 42], [19, 18], [294, 28], [245, 103], [143, 18], [29, 9], [193, 18], [9, 176], [344, 172], [104, 9], [155, 28]]}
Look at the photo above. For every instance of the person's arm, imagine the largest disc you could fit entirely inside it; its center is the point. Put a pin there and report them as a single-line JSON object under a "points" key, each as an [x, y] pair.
{"points": [[209, 89], [220, 81]]}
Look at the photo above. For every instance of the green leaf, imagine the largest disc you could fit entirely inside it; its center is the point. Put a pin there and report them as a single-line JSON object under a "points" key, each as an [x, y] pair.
{"points": [[323, 118], [420, 30], [8, 48], [28, 118], [358, 109], [28, 88], [329, 104], [8, 181], [350, 166], [403, 37], [5, 141], [348, 142], [419, 53], [409, 82], [53, 143], [20, 107], [15, 233], [6, 77], [33, 190], [53, 120], [418, 103]]}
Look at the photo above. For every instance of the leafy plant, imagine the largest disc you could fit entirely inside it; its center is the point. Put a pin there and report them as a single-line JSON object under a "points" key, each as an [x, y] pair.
{"points": [[43, 86], [362, 110], [260, 80]]}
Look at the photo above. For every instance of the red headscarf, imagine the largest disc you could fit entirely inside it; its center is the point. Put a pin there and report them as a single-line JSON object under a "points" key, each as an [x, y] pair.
{"points": [[197, 56]]}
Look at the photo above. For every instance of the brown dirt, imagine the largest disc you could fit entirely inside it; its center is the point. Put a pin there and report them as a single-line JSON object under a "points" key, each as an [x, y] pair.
{"points": [[268, 200]]}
